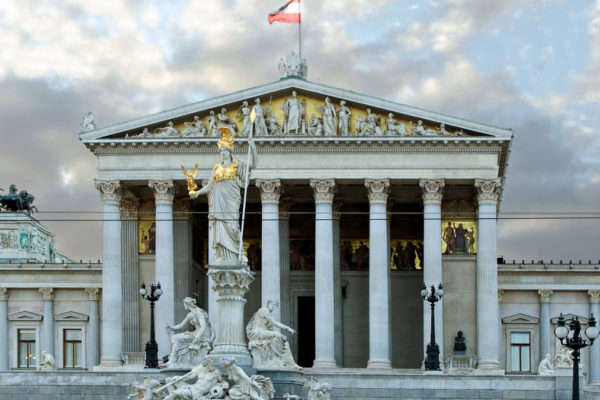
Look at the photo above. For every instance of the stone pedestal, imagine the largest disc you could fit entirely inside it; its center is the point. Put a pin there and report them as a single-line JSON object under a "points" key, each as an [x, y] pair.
{"points": [[231, 283], [291, 382]]}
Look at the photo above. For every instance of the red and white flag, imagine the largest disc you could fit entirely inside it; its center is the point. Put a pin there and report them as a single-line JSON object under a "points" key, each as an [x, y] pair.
{"points": [[289, 13]]}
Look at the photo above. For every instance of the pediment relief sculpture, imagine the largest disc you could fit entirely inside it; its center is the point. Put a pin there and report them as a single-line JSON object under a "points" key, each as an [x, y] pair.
{"points": [[299, 115]]}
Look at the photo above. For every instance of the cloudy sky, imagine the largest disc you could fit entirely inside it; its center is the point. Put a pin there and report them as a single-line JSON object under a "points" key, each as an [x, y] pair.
{"points": [[531, 65]]}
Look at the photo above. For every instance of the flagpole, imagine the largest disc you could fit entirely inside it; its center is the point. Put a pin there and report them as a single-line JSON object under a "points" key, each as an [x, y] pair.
{"points": [[300, 30]]}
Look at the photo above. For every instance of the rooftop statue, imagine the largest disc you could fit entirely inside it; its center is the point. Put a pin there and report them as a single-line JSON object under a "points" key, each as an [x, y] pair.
{"points": [[293, 67], [260, 127], [274, 126], [224, 120], [15, 202], [315, 126], [244, 114], [188, 349], [329, 114], [394, 127], [88, 123], [224, 197]]}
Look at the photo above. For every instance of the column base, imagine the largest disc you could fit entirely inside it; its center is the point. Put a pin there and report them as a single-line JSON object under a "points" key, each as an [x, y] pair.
{"points": [[109, 364], [489, 368], [379, 364], [324, 363]]}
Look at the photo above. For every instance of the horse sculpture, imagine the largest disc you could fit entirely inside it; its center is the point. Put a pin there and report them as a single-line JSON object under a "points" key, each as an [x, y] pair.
{"points": [[18, 202]]}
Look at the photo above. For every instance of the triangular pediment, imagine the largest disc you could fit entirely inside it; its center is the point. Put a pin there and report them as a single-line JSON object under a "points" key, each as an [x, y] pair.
{"points": [[273, 96], [71, 316], [520, 319], [25, 316]]}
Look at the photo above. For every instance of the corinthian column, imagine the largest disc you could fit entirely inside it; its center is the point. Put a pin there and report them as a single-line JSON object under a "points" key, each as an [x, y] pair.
{"points": [[93, 331], [545, 340], [337, 293], [164, 269], [433, 190], [4, 328], [130, 275], [270, 191], [48, 324], [488, 320], [112, 300], [379, 317], [594, 369], [324, 190]]}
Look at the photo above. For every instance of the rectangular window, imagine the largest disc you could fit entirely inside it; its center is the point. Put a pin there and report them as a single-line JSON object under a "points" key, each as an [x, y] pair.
{"points": [[26, 348], [520, 352], [72, 352]]}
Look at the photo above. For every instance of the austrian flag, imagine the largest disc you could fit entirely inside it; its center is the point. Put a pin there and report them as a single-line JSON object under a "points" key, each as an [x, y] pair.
{"points": [[289, 13]]}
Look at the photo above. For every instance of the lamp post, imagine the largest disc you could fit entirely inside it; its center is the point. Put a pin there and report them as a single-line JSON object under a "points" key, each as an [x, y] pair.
{"points": [[432, 361], [151, 346], [576, 342]]}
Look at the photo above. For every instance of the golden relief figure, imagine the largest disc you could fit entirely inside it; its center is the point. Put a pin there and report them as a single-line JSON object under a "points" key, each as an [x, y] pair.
{"points": [[459, 237], [190, 175]]}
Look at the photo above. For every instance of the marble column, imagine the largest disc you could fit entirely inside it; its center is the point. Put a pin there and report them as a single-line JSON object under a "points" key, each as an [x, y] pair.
{"points": [[324, 191], [546, 337], [47, 338], [388, 234], [112, 300], [270, 191], [130, 275], [285, 204], [93, 333], [432, 254], [4, 328], [594, 369], [183, 261], [164, 268], [337, 293], [488, 319], [379, 313]]}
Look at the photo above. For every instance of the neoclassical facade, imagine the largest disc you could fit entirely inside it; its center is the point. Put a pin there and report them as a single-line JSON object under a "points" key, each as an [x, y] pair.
{"points": [[354, 203]]}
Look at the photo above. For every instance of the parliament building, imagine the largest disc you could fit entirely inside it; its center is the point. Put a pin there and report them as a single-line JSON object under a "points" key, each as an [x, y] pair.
{"points": [[354, 204]]}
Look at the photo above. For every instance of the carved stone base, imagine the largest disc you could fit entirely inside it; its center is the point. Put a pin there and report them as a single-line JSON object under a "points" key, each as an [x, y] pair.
{"points": [[232, 281], [291, 382], [323, 363], [379, 364]]}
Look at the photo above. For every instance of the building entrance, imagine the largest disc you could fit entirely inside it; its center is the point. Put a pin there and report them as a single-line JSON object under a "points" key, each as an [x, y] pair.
{"points": [[306, 331]]}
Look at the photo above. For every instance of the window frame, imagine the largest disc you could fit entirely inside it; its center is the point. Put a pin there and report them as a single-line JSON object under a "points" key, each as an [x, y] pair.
{"points": [[66, 342], [32, 364], [520, 346]]}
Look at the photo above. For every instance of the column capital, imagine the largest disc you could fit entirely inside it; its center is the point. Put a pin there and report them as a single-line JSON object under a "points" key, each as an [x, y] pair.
{"points": [[47, 293], [433, 190], [594, 296], [500, 295], [378, 189], [324, 189], [111, 191], [3, 293], [488, 190], [545, 295], [164, 191], [285, 204], [270, 190], [129, 209], [93, 293], [338, 203]]}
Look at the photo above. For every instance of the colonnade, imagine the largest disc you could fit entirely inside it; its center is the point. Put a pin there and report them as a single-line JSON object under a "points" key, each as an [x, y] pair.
{"points": [[275, 268]]}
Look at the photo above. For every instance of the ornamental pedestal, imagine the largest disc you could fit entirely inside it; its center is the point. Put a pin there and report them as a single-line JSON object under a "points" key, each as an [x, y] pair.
{"points": [[232, 281]]}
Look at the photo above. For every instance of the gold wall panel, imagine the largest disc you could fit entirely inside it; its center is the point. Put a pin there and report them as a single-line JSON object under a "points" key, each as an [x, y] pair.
{"points": [[459, 236]]}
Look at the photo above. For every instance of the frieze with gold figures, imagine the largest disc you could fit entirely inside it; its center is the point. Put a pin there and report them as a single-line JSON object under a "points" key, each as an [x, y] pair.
{"points": [[459, 237], [299, 115]]}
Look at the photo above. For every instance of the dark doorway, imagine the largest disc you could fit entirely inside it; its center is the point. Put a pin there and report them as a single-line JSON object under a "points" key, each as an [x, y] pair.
{"points": [[306, 331]]}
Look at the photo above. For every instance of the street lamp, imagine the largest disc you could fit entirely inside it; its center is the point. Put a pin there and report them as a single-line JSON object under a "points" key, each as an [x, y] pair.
{"points": [[576, 342], [432, 361], [151, 346]]}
